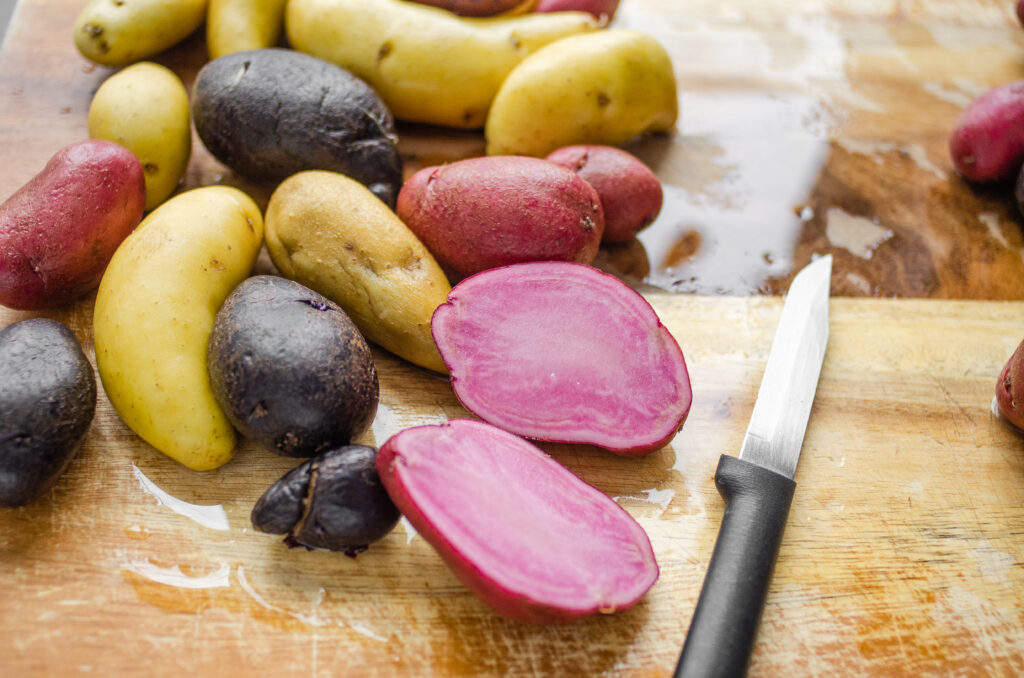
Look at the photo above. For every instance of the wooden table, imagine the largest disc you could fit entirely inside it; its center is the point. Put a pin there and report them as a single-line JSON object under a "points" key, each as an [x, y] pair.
{"points": [[806, 128]]}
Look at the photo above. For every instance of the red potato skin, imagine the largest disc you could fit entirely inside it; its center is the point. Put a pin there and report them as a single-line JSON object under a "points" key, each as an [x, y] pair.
{"points": [[630, 192], [59, 231], [987, 141], [486, 212], [475, 7], [1010, 389], [599, 8]]}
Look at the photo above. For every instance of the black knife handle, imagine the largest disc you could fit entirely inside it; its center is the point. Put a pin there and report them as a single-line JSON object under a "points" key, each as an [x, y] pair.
{"points": [[724, 625]]}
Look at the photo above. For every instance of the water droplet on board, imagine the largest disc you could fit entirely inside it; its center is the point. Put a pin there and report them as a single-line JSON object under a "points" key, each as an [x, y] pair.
{"points": [[213, 517]]}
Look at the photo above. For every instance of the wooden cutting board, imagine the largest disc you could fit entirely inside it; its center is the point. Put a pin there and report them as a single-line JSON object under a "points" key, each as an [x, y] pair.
{"points": [[904, 552]]}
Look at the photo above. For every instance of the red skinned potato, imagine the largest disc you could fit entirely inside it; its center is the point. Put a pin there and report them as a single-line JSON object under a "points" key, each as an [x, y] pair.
{"points": [[631, 194], [987, 141], [480, 7], [58, 231], [564, 353], [599, 8], [1010, 389], [486, 212], [521, 531]]}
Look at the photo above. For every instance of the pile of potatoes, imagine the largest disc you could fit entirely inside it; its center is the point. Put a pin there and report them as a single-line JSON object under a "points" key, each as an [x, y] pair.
{"points": [[363, 253]]}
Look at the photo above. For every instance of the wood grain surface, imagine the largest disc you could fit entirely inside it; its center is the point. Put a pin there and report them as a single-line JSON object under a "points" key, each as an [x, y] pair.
{"points": [[806, 128]]}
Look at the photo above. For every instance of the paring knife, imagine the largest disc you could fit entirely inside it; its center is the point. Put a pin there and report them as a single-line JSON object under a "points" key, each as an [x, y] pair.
{"points": [[758, 486]]}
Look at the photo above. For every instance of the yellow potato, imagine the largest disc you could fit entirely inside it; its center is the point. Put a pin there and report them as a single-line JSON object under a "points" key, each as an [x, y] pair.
{"points": [[331, 234], [598, 88], [240, 25], [154, 311], [426, 63], [120, 32], [145, 109]]}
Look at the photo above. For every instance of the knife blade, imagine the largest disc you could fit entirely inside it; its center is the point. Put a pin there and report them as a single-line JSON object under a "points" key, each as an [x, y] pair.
{"points": [[758, 486]]}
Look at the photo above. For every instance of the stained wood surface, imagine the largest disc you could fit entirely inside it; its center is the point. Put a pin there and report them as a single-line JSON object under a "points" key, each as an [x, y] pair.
{"points": [[806, 128]]}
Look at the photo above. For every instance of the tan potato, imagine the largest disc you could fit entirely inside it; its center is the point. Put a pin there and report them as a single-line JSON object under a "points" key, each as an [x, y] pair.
{"points": [[598, 88], [120, 32], [331, 234], [426, 63], [154, 312], [145, 109], [240, 25]]}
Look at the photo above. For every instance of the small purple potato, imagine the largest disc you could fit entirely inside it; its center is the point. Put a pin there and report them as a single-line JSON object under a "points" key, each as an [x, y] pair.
{"points": [[47, 403], [290, 369], [270, 113], [477, 7], [482, 213], [334, 501], [630, 193], [599, 8]]}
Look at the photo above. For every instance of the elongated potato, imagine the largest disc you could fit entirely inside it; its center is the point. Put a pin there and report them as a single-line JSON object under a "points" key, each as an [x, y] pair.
{"points": [[153, 316], [598, 88], [426, 63], [120, 32], [145, 109], [240, 25], [331, 234]]}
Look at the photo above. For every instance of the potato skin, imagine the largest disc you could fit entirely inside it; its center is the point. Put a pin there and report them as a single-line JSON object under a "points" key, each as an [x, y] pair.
{"points": [[119, 33], [987, 141], [145, 109], [1010, 388], [427, 64], [165, 284], [59, 230], [482, 213], [290, 369], [240, 25], [598, 88], [270, 113], [47, 403], [329, 233], [630, 193], [599, 8], [479, 8]]}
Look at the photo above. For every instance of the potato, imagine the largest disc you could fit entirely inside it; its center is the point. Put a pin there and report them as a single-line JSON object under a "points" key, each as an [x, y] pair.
{"points": [[519, 530], [154, 311], [599, 8], [483, 213], [331, 234], [47, 403], [427, 64], [290, 368], [145, 109], [270, 113], [1010, 389], [630, 193], [240, 25], [564, 353], [481, 7], [120, 32], [58, 231], [598, 88], [987, 141]]}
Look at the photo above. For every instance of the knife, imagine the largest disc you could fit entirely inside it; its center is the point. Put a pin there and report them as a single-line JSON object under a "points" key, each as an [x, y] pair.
{"points": [[758, 486]]}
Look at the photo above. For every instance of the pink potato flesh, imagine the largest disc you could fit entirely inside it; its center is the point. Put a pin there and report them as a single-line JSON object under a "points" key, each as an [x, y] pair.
{"points": [[630, 193], [598, 8], [521, 531], [564, 353], [59, 231], [474, 7], [987, 141], [1010, 389], [487, 212]]}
